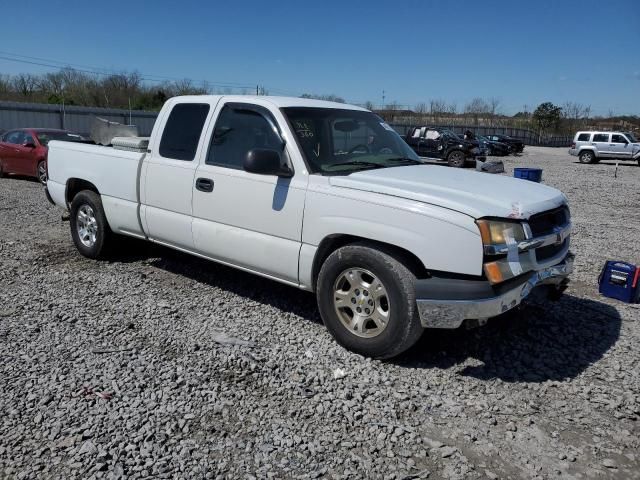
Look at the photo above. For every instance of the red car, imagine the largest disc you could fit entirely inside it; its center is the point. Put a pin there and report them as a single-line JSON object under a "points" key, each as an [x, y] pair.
{"points": [[24, 151]]}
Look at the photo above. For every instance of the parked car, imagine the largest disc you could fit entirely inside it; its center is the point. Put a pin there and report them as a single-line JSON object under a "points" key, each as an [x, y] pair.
{"points": [[328, 198], [493, 147], [443, 144], [591, 147], [24, 151], [516, 145]]}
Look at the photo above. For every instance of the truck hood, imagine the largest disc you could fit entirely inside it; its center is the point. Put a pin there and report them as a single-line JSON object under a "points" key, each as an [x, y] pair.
{"points": [[470, 192]]}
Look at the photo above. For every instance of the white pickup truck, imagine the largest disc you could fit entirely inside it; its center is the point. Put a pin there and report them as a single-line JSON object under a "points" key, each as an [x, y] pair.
{"points": [[328, 198]]}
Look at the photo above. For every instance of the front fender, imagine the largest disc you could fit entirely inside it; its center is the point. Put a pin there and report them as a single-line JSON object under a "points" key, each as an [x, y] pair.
{"points": [[442, 239]]}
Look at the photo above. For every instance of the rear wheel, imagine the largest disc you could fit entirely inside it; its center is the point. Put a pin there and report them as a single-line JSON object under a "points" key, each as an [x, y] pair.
{"points": [[366, 298], [89, 228], [42, 172], [456, 159], [587, 156]]}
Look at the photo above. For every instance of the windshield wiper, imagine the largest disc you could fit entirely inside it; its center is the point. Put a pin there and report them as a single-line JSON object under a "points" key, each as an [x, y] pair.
{"points": [[404, 160], [359, 163]]}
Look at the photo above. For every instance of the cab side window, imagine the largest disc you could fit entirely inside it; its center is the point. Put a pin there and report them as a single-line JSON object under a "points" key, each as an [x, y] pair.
{"points": [[618, 139], [584, 137], [237, 131], [182, 131], [601, 137]]}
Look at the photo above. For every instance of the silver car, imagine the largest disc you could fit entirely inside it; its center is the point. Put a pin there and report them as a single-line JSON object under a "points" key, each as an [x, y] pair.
{"points": [[591, 147]]}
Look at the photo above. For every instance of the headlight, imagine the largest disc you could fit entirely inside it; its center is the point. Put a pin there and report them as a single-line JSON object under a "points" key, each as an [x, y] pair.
{"points": [[500, 237], [495, 232]]}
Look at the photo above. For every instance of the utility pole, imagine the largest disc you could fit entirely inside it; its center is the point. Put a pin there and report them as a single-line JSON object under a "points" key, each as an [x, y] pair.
{"points": [[383, 97], [257, 90]]}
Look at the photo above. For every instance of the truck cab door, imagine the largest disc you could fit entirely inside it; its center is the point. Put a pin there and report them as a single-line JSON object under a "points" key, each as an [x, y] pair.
{"points": [[432, 140], [168, 173], [249, 220]]}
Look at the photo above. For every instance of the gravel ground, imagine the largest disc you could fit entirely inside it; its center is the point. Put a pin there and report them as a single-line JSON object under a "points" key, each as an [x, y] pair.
{"points": [[161, 365]]}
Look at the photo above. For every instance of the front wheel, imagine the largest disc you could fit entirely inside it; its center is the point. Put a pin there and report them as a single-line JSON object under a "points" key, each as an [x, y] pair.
{"points": [[89, 228], [42, 172], [366, 298], [456, 159]]}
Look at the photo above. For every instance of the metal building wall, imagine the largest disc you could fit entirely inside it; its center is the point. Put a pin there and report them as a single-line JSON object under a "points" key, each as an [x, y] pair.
{"points": [[75, 119]]}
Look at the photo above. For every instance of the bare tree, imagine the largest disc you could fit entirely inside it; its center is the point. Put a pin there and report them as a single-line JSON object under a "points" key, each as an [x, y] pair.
{"points": [[25, 84], [421, 108], [494, 105], [437, 107], [475, 108]]}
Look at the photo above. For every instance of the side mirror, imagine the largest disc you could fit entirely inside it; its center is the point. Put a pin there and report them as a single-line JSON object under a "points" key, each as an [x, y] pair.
{"points": [[266, 162], [29, 145]]}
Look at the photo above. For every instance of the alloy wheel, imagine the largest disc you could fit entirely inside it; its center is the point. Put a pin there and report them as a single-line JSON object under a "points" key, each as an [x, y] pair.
{"points": [[361, 302], [87, 226]]}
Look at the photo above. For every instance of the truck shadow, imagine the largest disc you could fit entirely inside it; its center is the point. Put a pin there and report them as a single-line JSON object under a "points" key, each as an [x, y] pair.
{"points": [[552, 341], [248, 285], [535, 343]]}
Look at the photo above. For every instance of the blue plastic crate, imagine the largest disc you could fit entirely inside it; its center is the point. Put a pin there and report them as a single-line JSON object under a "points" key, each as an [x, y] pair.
{"points": [[532, 174], [620, 280]]}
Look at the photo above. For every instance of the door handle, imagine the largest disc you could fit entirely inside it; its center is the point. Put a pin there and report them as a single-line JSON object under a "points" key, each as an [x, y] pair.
{"points": [[204, 185]]}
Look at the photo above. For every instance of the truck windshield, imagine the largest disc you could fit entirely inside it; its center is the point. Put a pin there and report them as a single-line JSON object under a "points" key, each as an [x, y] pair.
{"points": [[339, 142]]}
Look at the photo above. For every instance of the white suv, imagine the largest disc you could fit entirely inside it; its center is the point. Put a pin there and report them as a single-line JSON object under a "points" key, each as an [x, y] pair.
{"points": [[591, 147]]}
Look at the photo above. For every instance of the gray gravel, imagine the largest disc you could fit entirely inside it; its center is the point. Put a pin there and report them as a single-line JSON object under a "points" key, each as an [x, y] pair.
{"points": [[157, 364]]}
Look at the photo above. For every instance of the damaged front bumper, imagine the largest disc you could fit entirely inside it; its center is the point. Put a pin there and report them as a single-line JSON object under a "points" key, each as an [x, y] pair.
{"points": [[447, 302]]}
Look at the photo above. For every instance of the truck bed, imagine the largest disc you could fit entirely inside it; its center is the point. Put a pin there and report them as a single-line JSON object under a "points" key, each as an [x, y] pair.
{"points": [[115, 173]]}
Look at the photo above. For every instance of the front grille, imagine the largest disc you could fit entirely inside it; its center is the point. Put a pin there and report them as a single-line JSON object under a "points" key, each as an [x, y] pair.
{"points": [[544, 223], [544, 253]]}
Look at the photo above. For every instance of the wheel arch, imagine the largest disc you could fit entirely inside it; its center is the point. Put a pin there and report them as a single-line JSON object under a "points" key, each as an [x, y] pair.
{"points": [[331, 243], [587, 149], [75, 186]]}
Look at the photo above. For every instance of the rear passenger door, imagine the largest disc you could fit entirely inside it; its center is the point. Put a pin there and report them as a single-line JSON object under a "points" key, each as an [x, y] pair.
{"points": [[601, 142], [168, 174], [246, 219], [619, 146]]}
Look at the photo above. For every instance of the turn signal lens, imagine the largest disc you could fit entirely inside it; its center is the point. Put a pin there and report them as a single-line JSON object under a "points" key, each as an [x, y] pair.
{"points": [[498, 271], [493, 272]]}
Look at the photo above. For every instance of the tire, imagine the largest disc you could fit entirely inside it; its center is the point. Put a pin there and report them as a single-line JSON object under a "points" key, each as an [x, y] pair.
{"points": [[456, 159], [41, 172], [638, 165], [2, 174], [586, 156], [392, 324], [89, 228]]}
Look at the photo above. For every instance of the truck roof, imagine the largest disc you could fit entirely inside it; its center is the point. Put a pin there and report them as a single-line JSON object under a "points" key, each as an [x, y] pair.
{"points": [[279, 102]]}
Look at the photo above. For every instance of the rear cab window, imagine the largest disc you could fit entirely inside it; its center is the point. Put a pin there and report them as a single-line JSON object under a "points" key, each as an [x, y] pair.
{"points": [[182, 131], [584, 137]]}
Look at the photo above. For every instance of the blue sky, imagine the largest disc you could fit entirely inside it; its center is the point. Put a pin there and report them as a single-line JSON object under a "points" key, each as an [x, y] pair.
{"points": [[522, 52]]}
